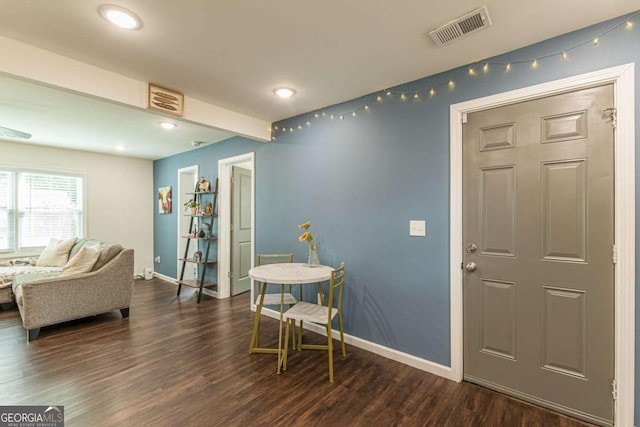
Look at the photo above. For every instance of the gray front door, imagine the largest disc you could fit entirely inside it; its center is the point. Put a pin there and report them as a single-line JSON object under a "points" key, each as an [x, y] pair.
{"points": [[240, 230], [538, 187]]}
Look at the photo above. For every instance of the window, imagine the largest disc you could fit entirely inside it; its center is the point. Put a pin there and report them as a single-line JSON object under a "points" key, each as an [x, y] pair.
{"points": [[48, 205]]}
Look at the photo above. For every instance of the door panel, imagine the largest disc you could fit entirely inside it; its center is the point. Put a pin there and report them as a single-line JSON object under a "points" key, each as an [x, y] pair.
{"points": [[240, 230], [538, 203], [497, 202]]}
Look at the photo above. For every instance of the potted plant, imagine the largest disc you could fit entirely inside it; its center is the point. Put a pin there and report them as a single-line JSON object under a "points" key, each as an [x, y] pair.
{"points": [[191, 206]]}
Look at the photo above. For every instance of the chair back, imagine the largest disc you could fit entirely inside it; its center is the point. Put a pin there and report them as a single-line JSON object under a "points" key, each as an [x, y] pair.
{"points": [[336, 283], [263, 259]]}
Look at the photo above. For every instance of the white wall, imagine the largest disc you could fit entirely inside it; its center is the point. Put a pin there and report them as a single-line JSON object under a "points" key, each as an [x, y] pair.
{"points": [[119, 190]]}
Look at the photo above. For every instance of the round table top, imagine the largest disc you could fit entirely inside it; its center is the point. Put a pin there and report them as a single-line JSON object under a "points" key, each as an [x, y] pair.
{"points": [[290, 273]]}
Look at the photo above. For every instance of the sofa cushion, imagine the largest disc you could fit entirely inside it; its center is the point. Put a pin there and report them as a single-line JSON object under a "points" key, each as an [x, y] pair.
{"points": [[109, 252], [56, 254], [83, 261]]}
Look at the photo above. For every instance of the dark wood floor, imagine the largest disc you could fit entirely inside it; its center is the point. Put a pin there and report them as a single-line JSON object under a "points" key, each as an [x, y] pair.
{"points": [[177, 363]]}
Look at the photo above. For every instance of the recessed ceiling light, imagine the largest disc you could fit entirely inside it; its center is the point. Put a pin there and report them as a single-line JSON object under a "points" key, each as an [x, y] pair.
{"points": [[284, 92], [121, 147], [168, 125], [120, 17]]}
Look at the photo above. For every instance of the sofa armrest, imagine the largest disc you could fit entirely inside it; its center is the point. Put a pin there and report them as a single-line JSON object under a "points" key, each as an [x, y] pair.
{"points": [[48, 301]]}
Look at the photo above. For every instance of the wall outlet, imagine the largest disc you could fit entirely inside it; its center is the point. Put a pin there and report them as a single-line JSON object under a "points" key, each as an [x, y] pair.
{"points": [[157, 259]]}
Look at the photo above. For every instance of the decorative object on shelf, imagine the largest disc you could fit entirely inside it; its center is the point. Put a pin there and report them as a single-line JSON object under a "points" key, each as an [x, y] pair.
{"points": [[191, 206], [204, 185], [209, 210], [165, 100], [314, 260], [201, 233], [164, 200], [197, 256]]}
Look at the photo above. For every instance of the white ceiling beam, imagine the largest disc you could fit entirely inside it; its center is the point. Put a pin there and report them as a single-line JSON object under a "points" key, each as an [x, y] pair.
{"points": [[30, 62]]}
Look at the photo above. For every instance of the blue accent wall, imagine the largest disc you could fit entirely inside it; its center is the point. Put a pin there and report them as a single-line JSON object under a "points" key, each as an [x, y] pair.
{"points": [[360, 180]]}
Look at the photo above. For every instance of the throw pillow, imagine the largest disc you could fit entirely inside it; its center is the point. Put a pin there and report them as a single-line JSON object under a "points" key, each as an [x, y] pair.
{"points": [[83, 261], [56, 254]]}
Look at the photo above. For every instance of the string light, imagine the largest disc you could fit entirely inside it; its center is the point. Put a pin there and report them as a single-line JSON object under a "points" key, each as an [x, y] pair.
{"points": [[450, 83]]}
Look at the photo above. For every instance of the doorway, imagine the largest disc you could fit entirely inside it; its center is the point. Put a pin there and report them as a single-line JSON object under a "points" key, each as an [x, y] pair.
{"points": [[225, 235], [622, 78], [187, 178]]}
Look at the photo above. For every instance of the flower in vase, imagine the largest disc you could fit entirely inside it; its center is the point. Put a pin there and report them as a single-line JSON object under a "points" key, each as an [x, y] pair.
{"points": [[307, 234]]}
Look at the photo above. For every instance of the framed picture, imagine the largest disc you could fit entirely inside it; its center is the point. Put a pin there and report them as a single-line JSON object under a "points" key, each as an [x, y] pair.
{"points": [[165, 100], [164, 200]]}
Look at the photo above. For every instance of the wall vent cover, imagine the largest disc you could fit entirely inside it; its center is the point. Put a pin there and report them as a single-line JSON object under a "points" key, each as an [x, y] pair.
{"points": [[467, 24]]}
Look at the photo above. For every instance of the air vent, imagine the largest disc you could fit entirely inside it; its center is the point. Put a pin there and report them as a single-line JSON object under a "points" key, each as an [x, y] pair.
{"points": [[467, 24]]}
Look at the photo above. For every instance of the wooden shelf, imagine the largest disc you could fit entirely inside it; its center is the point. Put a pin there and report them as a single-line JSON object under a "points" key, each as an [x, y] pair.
{"points": [[203, 192], [199, 238], [191, 260], [201, 216], [195, 283]]}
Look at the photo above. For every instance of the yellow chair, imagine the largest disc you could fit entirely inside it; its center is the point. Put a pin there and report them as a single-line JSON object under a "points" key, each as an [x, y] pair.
{"points": [[321, 314], [269, 299]]}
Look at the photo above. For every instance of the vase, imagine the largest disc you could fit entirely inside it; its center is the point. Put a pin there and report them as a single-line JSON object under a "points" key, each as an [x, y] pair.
{"points": [[314, 260]]}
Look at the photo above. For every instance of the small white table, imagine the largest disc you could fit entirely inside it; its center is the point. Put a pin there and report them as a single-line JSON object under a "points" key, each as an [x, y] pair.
{"points": [[283, 274]]}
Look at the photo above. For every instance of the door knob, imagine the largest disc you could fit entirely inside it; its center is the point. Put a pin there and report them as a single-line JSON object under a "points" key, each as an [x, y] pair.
{"points": [[471, 266]]}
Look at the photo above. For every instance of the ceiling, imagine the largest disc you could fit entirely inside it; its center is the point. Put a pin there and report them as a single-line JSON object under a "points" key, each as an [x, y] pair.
{"points": [[232, 54]]}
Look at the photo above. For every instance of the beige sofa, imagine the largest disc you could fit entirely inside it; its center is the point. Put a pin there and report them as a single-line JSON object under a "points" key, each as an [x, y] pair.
{"points": [[48, 298]]}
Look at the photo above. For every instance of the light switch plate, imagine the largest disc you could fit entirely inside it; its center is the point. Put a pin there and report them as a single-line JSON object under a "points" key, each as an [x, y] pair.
{"points": [[417, 228]]}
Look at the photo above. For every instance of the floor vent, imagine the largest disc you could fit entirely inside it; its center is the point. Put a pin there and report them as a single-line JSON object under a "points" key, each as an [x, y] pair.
{"points": [[467, 24]]}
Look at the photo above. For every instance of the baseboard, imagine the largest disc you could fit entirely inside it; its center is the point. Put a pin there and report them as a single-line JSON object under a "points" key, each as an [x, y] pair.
{"points": [[165, 278], [389, 353], [173, 281]]}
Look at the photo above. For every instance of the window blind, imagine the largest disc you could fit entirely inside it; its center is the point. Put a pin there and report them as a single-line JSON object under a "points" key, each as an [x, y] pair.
{"points": [[49, 206], [6, 211]]}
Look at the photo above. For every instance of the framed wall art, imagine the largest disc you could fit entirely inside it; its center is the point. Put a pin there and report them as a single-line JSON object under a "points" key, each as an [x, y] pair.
{"points": [[164, 200], [165, 100]]}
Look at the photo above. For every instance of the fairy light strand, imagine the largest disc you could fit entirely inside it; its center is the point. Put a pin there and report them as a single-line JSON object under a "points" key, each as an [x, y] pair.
{"points": [[447, 84]]}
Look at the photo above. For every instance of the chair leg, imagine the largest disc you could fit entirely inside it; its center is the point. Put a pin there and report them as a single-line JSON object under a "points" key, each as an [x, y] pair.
{"points": [[344, 350], [286, 344], [32, 334], [255, 336], [330, 352], [300, 336]]}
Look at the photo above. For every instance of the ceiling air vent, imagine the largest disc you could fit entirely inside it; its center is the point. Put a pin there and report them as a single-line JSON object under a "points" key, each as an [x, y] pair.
{"points": [[467, 24]]}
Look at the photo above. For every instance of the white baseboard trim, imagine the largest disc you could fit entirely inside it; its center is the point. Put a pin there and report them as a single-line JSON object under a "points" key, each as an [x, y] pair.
{"points": [[173, 281], [389, 353], [165, 278]]}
